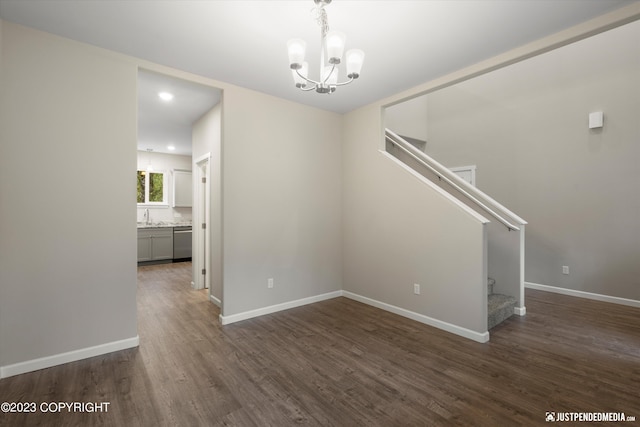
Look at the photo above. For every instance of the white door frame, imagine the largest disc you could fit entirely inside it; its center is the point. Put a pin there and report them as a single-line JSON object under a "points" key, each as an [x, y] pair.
{"points": [[201, 245]]}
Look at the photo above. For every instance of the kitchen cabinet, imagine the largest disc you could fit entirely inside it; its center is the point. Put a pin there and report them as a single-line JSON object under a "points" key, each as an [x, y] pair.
{"points": [[182, 189], [155, 244]]}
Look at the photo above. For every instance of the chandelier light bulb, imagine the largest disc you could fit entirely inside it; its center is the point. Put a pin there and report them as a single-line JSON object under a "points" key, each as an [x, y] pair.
{"points": [[297, 48], [355, 58], [335, 46]]}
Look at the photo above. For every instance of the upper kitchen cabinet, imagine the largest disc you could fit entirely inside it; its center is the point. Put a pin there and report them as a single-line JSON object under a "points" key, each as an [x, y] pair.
{"points": [[182, 189]]}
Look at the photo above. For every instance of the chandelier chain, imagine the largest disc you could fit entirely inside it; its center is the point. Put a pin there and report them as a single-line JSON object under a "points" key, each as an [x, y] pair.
{"points": [[322, 19]]}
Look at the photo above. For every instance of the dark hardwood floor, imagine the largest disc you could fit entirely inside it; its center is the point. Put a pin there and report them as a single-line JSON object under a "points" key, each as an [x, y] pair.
{"points": [[342, 363]]}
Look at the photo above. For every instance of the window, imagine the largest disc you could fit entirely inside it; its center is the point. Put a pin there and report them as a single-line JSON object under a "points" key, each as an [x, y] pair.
{"points": [[151, 188]]}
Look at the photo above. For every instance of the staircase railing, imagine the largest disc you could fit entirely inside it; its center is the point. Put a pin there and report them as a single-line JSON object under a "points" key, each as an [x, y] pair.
{"points": [[484, 202]]}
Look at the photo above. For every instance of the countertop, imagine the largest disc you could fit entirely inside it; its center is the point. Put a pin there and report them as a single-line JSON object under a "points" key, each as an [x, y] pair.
{"points": [[164, 224]]}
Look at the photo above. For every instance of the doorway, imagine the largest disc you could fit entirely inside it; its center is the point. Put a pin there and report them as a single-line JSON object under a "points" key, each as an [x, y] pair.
{"points": [[182, 118]]}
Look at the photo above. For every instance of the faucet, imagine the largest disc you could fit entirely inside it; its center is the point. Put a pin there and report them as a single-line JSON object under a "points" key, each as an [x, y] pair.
{"points": [[146, 215]]}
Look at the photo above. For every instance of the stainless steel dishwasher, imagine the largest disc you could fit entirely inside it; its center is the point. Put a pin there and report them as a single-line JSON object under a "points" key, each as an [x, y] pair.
{"points": [[182, 243]]}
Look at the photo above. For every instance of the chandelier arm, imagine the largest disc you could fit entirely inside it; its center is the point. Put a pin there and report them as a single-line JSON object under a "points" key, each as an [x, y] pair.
{"points": [[308, 89], [333, 68], [344, 83], [307, 79]]}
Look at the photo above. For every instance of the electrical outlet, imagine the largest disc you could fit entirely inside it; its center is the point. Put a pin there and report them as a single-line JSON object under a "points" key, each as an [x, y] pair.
{"points": [[565, 269], [270, 283], [416, 289]]}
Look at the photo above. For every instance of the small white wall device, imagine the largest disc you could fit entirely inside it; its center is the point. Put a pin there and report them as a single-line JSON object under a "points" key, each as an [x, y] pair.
{"points": [[596, 120]]}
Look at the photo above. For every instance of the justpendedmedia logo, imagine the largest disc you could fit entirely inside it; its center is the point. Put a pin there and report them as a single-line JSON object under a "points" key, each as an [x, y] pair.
{"points": [[557, 417]]}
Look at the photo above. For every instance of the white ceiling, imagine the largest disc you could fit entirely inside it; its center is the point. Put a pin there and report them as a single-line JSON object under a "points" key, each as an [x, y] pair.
{"points": [[244, 42], [168, 123]]}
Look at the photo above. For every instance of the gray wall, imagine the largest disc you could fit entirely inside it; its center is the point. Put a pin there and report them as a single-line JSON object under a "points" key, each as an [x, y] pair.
{"points": [[67, 199], [525, 127]]}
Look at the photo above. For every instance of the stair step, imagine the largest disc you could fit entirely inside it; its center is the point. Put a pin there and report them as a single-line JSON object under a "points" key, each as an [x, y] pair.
{"points": [[500, 308]]}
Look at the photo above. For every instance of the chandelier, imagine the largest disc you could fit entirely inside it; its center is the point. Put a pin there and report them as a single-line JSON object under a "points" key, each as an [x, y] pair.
{"points": [[332, 46]]}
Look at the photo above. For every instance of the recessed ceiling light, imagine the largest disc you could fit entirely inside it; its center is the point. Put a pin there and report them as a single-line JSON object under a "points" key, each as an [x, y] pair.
{"points": [[165, 96], [171, 147]]}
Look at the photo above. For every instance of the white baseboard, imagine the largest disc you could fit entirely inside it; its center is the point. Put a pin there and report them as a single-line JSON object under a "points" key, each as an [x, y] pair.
{"points": [[520, 311], [481, 337], [225, 320], [215, 300], [582, 294], [458, 330], [71, 356]]}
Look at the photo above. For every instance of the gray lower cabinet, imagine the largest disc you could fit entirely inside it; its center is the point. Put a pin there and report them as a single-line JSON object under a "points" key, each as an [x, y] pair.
{"points": [[155, 244]]}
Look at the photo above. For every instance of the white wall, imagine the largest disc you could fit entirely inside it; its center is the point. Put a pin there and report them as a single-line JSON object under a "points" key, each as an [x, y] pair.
{"points": [[282, 208], [163, 162], [525, 127], [398, 231], [379, 251], [281, 197], [67, 257], [503, 244], [409, 118], [67, 204], [207, 139]]}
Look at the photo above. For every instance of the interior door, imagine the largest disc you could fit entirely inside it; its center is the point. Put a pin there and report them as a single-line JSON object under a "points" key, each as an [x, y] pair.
{"points": [[204, 226]]}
